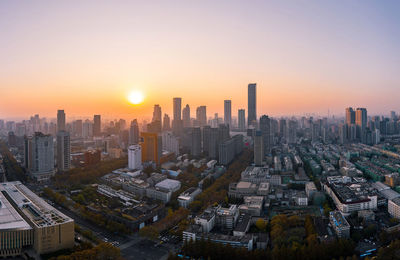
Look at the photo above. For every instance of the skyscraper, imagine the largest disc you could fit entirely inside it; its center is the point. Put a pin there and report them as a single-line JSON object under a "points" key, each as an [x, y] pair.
{"points": [[135, 157], [265, 128], [228, 112], [166, 123], [350, 116], [186, 116], [201, 116], [96, 125], [241, 120], [39, 156], [134, 132], [195, 148], [252, 105], [151, 147], [77, 128], [177, 124], [361, 117], [60, 120], [258, 148], [156, 114], [63, 151]]}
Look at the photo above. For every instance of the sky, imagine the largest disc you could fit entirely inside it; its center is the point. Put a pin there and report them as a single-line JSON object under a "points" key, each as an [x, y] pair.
{"points": [[307, 57]]}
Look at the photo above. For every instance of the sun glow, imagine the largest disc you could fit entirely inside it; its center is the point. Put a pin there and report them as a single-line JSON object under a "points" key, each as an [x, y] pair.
{"points": [[136, 97]]}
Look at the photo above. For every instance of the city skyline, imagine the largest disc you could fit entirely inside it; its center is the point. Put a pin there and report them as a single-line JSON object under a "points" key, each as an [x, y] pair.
{"points": [[310, 63]]}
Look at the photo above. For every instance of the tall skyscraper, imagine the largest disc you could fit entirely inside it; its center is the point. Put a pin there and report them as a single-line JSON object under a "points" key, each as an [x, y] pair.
{"points": [[60, 120], [77, 128], [63, 151], [134, 132], [252, 105], [96, 125], [201, 116], [265, 128], [151, 147], [350, 116], [166, 123], [156, 113], [258, 148], [135, 157], [87, 129], [241, 120], [177, 124], [39, 156], [228, 112], [186, 116], [361, 117], [195, 148]]}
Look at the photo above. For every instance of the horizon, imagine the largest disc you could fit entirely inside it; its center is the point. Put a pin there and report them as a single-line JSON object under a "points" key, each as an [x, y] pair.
{"points": [[87, 58]]}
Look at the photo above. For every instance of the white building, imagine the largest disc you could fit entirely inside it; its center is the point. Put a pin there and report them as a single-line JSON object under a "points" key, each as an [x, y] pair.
{"points": [[394, 208], [63, 151], [170, 142], [188, 196], [135, 157]]}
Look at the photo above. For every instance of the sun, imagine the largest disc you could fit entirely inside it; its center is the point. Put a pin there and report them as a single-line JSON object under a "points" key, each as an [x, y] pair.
{"points": [[136, 97]]}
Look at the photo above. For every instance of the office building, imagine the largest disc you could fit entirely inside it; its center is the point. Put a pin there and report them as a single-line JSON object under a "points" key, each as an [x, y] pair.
{"points": [[188, 196], [135, 157], [28, 222], [195, 148], [170, 143], [77, 128], [258, 148], [60, 120], [63, 151], [252, 105], [87, 129], [156, 114], [265, 129], [166, 123], [151, 147], [186, 116], [242, 120], [228, 112], [97, 125], [201, 116], [134, 132], [350, 116], [39, 156]]}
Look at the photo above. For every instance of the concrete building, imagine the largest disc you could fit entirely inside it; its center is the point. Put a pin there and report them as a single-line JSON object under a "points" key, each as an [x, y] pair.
{"points": [[135, 157], [394, 207], [39, 156], [60, 120], [170, 143], [97, 125], [33, 222], [339, 224], [186, 116], [151, 147], [258, 149], [188, 196], [63, 151], [228, 112], [252, 105], [242, 120]]}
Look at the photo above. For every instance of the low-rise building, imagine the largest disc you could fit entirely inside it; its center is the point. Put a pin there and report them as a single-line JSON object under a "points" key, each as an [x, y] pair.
{"points": [[188, 196], [394, 207], [339, 224]]}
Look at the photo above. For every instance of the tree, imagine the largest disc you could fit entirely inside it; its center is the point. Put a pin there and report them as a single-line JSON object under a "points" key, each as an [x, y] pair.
{"points": [[149, 232], [261, 224]]}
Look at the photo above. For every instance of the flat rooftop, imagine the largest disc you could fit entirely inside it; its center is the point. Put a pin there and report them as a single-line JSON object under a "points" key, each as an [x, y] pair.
{"points": [[10, 219], [39, 212]]}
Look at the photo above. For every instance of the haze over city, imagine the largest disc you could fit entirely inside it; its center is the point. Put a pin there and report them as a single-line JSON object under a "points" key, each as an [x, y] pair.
{"points": [[307, 57]]}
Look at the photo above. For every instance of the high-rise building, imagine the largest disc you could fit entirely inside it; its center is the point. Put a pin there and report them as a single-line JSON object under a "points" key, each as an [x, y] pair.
{"points": [[135, 157], [252, 105], [151, 147], [201, 116], [210, 141], [186, 116], [87, 129], [177, 124], [361, 117], [134, 132], [228, 112], [96, 125], [170, 142], [157, 114], [265, 128], [195, 148], [63, 151], [258, 148], [60, 120], [241, 120], [292, 132], [39, 156], [77, 128], [350, 116], [166, 123]]}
